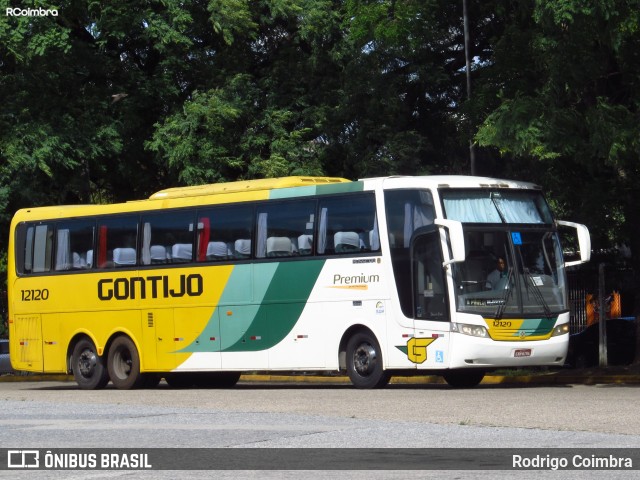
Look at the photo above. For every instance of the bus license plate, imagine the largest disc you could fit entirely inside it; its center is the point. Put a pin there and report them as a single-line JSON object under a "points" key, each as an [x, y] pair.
{"points": [[524, 352]]}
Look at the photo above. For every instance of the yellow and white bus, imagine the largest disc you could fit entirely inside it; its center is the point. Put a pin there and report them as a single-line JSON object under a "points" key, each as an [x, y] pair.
{"points": [[374, 277]]}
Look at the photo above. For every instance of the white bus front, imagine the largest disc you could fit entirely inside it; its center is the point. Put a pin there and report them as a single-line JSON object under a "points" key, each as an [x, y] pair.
{"points": [[504, 297]]}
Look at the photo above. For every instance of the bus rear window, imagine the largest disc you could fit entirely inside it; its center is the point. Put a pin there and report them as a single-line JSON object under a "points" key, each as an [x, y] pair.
{"points": [[37, 241]]}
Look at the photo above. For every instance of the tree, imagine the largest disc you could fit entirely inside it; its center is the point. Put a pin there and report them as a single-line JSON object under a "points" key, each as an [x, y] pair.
{"points": [[265, 108], [568, 77], [80, 93]]}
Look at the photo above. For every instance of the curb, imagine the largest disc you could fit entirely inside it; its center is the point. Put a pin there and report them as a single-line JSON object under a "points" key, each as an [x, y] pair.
{"points": [[523, 380], [543, 379]]}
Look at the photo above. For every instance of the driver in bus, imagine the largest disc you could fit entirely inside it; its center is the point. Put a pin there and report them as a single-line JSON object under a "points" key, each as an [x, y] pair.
{"points": [[493, 279]]}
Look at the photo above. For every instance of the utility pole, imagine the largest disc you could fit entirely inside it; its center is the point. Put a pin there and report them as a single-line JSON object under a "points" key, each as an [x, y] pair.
{"points": [[467, 47]]}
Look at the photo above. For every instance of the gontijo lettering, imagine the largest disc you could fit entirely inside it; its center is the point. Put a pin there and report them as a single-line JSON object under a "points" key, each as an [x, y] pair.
{"points": [[154, 285]]}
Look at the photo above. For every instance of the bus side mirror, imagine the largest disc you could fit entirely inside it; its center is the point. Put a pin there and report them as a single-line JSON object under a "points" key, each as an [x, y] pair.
{"points": [[456, 240], [584, 242]]}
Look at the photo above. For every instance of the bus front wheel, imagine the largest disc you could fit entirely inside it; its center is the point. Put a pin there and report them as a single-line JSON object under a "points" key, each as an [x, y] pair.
{"points": [[88, 368], [124, 364], [364, 362]]}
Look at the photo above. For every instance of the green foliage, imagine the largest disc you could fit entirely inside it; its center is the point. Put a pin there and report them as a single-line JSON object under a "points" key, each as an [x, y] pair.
{"points": [[113, 100], [578, 119], [232, 17]]}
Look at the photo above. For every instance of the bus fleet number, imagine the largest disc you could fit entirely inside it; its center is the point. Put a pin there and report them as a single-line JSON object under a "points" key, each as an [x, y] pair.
{"points": [[501, 324], [35, 295]]}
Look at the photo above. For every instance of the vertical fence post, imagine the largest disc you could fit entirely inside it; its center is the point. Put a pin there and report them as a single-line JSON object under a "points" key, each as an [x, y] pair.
{"points": [[602, 330]]}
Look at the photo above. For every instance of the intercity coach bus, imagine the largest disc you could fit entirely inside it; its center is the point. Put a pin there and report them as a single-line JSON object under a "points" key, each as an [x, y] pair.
{"points": [[450, 275]]}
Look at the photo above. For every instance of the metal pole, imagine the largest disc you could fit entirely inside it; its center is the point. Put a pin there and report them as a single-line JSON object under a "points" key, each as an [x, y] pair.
{"points": [[602, 327], [467, 48]]}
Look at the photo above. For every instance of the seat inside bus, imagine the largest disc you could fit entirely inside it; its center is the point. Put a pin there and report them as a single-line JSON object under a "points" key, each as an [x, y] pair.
{"points": [[124, 256]]}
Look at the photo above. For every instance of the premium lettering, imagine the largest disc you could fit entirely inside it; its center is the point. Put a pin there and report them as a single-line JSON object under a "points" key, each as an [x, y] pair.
{"points": [[355, 279], [153, 286]]}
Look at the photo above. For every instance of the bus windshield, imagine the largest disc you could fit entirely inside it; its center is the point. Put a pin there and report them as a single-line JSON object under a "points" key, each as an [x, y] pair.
{"points": [[511, 272], [496, 206], [514, 262]]}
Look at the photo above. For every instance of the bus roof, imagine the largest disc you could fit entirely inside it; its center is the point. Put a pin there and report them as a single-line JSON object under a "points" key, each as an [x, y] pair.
{"points": [[451, 181], [244, 186], [247, 190]]}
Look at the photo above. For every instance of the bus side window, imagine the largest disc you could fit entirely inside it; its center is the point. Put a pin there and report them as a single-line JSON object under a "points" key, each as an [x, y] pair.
{"points": [[280, 226], [428, 278], [348, 224], [117, 241], [406, 211], [74, 245], [225, 233], [168, 237]]}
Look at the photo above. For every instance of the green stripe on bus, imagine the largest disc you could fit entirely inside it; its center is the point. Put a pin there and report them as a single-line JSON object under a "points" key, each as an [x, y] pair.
{"points": [[281, 306], [307, 191], [279, 293], [538, 326]]}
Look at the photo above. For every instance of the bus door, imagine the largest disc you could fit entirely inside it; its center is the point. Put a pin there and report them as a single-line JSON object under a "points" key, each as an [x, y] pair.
{"points": [[430, 301], [53, 350], [26, 342], [158, 340]]}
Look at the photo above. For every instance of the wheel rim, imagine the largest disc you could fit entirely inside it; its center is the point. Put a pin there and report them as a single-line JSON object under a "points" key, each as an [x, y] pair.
{"points": [[122, 363], [364, 359], [87, 362]]}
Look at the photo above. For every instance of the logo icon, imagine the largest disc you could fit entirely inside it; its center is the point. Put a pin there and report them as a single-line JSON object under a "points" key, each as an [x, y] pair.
{"points": [[23, 459], [417, 349]]}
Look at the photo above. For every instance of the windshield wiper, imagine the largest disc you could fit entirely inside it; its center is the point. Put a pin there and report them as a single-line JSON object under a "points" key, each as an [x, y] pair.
{"points": [[505, 297], [537, 294]]}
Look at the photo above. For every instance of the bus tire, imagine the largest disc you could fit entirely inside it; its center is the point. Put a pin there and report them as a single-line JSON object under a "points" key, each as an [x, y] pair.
{"points": [[364, 362], [124, 364], [464, 378], [88, 367]]}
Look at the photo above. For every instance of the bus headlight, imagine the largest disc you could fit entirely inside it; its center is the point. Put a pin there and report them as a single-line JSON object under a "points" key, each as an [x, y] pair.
{"points": [[471, 330], [560, 330]]}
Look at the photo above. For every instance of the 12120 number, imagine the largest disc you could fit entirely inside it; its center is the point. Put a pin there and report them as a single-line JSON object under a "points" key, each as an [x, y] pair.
{"points": [[35, 295]]}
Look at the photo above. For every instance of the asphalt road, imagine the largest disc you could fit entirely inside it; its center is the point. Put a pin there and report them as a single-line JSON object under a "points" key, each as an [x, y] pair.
{"points": [[59, 415]]}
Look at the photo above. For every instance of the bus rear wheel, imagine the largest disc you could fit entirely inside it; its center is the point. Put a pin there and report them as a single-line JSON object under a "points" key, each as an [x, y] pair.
{"points": [[88, 368], [124, 364], [464, 378], [364, 362]]}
